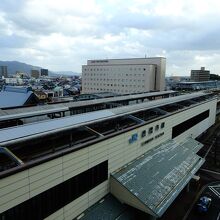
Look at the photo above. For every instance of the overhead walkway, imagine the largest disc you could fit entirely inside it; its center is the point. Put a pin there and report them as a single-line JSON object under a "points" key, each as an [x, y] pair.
{"points": [[153, 181]]}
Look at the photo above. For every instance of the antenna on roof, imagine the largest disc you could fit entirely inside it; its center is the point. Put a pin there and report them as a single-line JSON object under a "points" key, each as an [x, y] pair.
{"points": [[145, 55]]}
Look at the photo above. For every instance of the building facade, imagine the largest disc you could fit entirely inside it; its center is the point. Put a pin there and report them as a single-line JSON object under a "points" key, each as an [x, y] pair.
{"points": [[44, 72], [3, 71], [35, 74], [124, 76], [200, 75], [69, 168]]}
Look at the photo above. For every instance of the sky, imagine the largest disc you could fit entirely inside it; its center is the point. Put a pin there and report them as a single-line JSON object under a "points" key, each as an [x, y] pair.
{"points": [[64, 34]]}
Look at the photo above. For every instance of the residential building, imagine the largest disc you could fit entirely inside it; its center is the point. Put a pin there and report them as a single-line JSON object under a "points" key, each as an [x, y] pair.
{"points": [[57, 169], [35, 74], [13, 81], [124, 76], [42, 96], [3, 71], [58, 91], [200, 75]]}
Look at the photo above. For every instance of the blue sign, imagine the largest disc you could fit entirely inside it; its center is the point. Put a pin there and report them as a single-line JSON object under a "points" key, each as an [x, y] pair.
{"points": [[133, 138]]}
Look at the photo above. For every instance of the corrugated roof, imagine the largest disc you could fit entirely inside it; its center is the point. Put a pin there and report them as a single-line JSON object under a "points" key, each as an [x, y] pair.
{"points": [[38, 110], [31, 111], [11, 99], [156, 103], [158, 177], [77, 120], [49, 125], [125, 97]]}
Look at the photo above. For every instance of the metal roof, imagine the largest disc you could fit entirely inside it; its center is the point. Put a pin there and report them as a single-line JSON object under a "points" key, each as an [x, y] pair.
{"points": [[49, 125], [31, 111], [156, 178], [82, 119], [11, 99], [156, 103], [45, 109], [124, 97], [199, 82]]}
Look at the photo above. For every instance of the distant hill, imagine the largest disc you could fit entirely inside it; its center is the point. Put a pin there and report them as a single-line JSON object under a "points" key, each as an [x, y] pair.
{"points": [[14, 66]]}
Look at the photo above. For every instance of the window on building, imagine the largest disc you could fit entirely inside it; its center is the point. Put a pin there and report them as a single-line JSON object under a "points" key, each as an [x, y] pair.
{"points": [[53, 199], [182, 127], [156, 127], [162, 125]]}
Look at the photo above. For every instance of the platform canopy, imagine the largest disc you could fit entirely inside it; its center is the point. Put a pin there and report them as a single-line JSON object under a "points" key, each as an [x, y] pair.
{"points": [[154, 180]]}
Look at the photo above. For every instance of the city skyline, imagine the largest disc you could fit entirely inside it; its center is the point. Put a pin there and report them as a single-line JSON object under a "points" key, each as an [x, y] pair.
{"points": [[64, 35]]}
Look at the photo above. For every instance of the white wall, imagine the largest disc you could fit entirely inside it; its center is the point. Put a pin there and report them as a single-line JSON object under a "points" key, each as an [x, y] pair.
{"points": [[120, 79], [124, 75]]}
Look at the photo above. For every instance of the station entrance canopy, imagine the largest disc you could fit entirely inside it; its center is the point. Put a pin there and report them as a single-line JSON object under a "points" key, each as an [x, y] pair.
{"points": [[154, 180]]}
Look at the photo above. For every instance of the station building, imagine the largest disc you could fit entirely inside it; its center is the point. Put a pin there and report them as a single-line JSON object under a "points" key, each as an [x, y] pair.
{"points": [[143, 154]]}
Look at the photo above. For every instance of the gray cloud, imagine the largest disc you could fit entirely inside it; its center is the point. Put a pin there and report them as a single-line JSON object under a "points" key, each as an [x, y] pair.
{"points": [[12, 41], [63, 35]]}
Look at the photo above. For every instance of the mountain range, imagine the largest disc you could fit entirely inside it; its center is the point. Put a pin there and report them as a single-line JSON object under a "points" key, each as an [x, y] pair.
{"points": [[14, 66]]}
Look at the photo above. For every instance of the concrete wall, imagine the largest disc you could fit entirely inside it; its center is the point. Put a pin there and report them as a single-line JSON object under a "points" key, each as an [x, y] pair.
{"points": [[117, 150]]}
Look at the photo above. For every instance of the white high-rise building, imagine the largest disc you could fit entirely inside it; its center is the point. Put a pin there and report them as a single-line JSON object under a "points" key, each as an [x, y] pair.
{"points": [[124, 76]]}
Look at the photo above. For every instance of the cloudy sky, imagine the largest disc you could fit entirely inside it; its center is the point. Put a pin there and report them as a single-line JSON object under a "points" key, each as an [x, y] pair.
{"points": [[63, 34]]}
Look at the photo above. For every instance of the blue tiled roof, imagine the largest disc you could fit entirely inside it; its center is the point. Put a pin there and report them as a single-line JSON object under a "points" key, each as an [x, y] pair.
{"points": [[16, 89], [11, 97]]}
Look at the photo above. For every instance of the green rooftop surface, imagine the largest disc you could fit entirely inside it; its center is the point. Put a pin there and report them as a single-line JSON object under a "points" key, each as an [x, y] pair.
{"points": [[158, 176]]}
